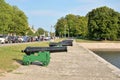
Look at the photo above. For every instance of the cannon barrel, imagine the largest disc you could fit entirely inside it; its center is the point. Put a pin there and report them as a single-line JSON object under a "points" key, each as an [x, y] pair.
{"points": [[62, 43], [67, 42], [32, 50], [52, 44]]}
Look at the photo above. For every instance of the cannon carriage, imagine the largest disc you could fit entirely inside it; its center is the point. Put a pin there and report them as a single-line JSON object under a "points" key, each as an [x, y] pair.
{"points": [[41, 54]]}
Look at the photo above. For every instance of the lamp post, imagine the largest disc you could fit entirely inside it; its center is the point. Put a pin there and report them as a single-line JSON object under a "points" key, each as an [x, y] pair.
{"points": [[51, 32]]}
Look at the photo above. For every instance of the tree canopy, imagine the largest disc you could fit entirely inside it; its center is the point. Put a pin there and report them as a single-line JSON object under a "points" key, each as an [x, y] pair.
{"points": [[103, 24], [40, 31], [71, 25], [12, 19]]}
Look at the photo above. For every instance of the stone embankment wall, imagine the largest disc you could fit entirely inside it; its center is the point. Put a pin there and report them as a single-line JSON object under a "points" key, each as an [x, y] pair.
{"points": [[101, 46]]}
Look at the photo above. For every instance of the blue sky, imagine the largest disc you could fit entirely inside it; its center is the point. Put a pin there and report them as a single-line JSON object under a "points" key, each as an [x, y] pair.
{"points": [[45, 13]]}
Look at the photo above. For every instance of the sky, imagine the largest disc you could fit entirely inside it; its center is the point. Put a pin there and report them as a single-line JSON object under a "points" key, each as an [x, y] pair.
{"points": [[45, 13]]}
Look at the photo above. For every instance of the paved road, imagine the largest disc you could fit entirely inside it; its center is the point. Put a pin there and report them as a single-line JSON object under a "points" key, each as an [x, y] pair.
{"points": [[11, 44], [77, 64]]}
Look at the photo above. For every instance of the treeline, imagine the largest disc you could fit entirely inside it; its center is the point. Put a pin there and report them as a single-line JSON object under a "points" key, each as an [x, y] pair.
{"points": [[12, 20], [71, 25], [102, 23]]}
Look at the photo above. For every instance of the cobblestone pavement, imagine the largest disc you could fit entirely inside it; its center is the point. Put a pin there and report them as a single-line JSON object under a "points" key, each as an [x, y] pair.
{"points": [[76, 64]]}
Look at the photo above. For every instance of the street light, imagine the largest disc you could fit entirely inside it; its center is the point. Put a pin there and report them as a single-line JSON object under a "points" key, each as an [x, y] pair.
{"points": [[51, 32]]}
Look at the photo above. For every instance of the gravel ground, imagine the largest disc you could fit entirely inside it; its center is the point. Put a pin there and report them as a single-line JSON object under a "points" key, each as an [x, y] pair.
{"points": [[76, 64]]}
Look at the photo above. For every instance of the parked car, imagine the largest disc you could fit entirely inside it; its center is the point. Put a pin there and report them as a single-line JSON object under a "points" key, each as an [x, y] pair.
{"points": [[25, 38], [47, 38], [13, 39], [20, 39], [3, 39]]}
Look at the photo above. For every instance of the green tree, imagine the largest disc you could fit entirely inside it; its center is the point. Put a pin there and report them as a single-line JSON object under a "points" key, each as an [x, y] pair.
{"points": [[5, 16], [71, 25], [46, 33], [119, 26], [12, 19], [61, 27], [30, 32], [103, 24], [19, 24], [81, 29], [40, 31]]}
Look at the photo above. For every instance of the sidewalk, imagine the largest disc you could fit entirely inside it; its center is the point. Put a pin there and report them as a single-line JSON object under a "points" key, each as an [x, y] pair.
{"points": [[77, 64]]}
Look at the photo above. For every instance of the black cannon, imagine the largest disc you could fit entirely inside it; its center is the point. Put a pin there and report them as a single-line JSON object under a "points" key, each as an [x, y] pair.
{"points": [[67, 42], [62, 43], [32, 50], [55, 44], [41, 54]]}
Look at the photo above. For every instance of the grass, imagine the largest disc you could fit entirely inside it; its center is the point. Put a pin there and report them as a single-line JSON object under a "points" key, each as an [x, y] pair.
{"points": [[85, 40], [10, 55], [95, 41], [60, 39]]}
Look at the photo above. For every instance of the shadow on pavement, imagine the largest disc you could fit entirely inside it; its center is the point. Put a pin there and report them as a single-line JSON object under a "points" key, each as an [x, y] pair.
{"points": [[19, 61]]}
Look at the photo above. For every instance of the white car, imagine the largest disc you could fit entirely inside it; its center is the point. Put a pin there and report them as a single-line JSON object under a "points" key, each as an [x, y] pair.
{"points": [[2, 39], [20, 39]]}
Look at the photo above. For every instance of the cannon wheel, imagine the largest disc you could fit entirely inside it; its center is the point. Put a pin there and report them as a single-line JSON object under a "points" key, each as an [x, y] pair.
{"points": [[26, 63], [45, 63]]}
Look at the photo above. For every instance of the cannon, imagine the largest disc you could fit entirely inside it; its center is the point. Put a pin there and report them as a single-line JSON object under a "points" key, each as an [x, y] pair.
{"points": [[67, 42], [41, 54], [55, 44], [62, 43]]}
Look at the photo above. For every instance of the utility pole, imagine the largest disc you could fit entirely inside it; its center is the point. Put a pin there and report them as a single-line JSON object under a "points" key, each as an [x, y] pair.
{"points": [[51, 31], [54, 31]]}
